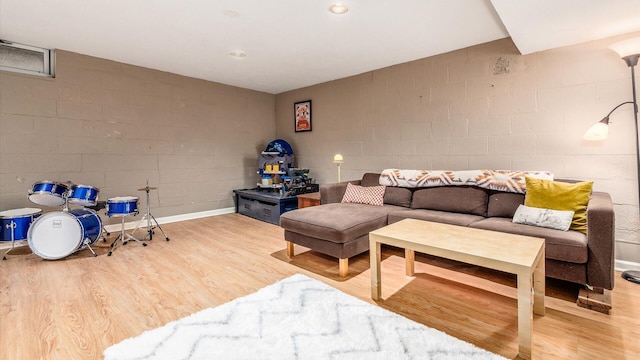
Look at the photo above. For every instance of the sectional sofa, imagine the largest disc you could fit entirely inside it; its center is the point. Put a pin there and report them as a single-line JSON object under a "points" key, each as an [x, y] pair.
{"points": [[342, 230]]}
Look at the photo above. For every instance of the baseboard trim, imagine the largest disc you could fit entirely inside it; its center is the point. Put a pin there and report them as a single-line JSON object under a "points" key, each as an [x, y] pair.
{"points": [[622, 265], [170, 219]]}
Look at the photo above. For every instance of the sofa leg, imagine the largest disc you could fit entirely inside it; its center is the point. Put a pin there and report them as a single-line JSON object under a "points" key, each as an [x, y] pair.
{"points": [[343, 266], [597, 299], [289, 249]]}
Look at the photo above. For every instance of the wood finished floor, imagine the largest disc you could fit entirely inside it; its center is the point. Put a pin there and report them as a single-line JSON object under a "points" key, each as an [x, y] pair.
{"points": [[76, 307]]}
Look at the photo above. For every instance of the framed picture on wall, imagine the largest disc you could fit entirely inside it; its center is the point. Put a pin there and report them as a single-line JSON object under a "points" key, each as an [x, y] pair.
{"points": [[302, 115]]}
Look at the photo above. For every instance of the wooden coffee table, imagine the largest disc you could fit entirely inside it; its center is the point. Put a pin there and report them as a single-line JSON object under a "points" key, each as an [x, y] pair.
{"points": [[515, 254]]}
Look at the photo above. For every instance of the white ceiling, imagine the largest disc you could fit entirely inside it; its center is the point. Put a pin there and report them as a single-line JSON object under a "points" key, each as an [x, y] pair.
{"points": [[296, 43]]}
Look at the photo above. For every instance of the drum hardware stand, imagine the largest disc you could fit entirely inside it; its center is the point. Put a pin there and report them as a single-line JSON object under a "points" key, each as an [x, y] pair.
{"points": [[103, 232], [87, 244], [124, 237], [149, 217], [13, 240]]}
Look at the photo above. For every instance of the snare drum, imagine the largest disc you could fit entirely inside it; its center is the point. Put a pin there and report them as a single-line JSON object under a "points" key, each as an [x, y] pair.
{"points": [[15, 223], [83, 195], [48, 193], [58, 234], [122, 206]]}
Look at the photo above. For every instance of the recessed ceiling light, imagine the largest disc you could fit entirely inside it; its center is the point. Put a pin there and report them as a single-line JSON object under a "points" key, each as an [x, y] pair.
{"points": [[238, 54], [338, 8]]}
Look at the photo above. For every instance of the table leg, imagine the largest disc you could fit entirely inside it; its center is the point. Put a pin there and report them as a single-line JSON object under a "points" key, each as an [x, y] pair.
{"points": [[409, 259], [376, 279], [290, 251], [539, 283], [525, 315]]}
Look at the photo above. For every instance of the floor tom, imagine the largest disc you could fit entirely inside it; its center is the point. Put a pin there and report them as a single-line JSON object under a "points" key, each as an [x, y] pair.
{"points": [[15, 223]]}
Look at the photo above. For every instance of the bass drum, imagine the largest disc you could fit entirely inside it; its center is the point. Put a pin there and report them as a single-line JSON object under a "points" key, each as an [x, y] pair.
{"points": [[58, 234]]}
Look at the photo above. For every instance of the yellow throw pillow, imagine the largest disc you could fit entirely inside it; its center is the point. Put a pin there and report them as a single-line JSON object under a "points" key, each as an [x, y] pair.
{"points": [[556, 195]]}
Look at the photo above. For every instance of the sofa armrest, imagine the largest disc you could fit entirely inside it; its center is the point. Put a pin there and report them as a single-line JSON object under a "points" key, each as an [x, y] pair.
{"points": [[333, 193], [600, 241]]}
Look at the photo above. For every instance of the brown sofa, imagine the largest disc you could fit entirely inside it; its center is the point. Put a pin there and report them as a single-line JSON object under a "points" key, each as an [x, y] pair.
{"points": [[342, 229]]}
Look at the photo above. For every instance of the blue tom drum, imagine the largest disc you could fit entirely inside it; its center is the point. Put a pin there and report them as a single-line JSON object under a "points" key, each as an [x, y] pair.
{"points": [[48, 193], [83, 195], [15, 223], [122, 206]]}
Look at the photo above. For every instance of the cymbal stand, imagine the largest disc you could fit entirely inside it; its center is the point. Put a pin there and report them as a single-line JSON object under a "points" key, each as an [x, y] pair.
{"points": [[124, 237], [149, 218]]}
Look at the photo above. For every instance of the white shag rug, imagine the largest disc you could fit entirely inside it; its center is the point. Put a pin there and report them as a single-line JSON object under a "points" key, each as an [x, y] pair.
{"points": [[295, 318]]}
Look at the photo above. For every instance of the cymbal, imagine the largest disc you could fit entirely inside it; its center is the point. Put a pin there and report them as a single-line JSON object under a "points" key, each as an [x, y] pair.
{"points": [[148, 188]]}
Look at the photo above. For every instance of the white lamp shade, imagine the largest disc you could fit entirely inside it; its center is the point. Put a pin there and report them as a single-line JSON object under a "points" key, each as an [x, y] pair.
{"points": [[338, 8], [627, 47], [597, 132], [338, 159]]}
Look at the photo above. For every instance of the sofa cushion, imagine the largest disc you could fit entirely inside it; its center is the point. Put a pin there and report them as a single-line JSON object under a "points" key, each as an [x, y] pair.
{"points": [[560, 245], [435, 216], [459, 199], [370, 179], [340, 250], [558, 195], [398, 196], [552, 219], [369, 195], [337, 222], [503, 204], [392, 195]]}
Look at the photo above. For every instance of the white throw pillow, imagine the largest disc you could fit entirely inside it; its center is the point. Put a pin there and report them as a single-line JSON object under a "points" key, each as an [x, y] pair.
{"points": [[553, 219]]}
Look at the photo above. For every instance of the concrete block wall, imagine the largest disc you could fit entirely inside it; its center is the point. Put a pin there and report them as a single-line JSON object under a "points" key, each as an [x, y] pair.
{"points": [[115, 126], [485, 106]]}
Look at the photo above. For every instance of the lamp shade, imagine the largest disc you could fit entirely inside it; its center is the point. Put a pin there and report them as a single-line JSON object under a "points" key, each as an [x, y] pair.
{"points": [[338, 159], [598, 131], [338, 9], [627, 47]]}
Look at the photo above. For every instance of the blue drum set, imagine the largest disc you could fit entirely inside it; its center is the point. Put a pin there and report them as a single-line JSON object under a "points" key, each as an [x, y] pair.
{"points": [[58, 234]]}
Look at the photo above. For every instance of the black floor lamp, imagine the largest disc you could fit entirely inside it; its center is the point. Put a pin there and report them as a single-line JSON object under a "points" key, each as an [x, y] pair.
{"points": [[629, 51]]}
